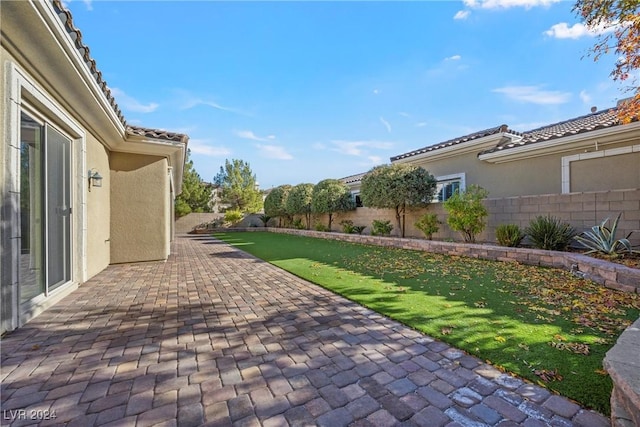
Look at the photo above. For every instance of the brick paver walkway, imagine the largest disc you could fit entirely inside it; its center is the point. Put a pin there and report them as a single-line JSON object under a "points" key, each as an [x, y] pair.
{"points": [[216, 337]]}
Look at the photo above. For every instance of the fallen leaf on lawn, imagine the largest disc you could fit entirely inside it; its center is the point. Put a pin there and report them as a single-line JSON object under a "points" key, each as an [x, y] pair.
{"points": [[547, 375], [500, 338]]}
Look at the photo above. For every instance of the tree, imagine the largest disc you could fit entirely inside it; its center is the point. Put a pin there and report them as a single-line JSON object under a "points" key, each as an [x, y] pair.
{"points": [[618, 22], [195, 195], [299, 202], [398, 186], [466, 212], [331, 196], [275, 203], [239, 186]]}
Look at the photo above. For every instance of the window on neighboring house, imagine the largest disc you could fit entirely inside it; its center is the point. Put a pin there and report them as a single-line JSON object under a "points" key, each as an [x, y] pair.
{"points": [[357, 199], [448, 185]]}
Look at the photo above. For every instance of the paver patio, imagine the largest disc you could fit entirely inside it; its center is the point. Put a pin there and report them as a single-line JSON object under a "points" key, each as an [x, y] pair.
{"points": [[216, 337]]}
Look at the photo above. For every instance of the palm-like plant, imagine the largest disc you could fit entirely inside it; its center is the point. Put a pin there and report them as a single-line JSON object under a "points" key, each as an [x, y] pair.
{"points": [[602, 239]]}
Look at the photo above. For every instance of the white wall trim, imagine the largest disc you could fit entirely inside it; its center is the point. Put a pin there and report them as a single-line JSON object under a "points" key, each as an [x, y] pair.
{"points": [[566, 161]]}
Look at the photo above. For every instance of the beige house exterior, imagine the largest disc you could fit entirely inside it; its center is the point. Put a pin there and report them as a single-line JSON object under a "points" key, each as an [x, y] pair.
{"points": [[60, 127], [581, 170]]}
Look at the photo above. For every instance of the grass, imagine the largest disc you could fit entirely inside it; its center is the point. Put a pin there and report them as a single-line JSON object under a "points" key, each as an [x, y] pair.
{"points": [[542, 324]]}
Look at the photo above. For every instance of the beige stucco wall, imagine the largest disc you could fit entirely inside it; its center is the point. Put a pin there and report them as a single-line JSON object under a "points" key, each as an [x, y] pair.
{"points": [[530, 176], [605, 173], [98, 209], [140, 208]]}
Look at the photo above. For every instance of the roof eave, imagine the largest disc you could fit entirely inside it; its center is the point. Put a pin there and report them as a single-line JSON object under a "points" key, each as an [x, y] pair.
{"points": [[611, 135], [474, 145]]}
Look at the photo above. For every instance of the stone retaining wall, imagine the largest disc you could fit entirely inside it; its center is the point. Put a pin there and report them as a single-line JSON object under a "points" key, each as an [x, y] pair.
{"points": [[623, 364]]}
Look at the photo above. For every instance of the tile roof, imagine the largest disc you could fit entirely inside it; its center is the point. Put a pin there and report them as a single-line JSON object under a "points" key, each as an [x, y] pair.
{"points": [[156, 134], [353, 178], [455, 141], [76, 36], [587, 123]]}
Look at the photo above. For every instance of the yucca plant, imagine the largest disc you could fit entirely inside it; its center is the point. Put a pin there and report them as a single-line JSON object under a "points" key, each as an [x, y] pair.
{"points": [[509, 235], [602, 239], [548, 232]]}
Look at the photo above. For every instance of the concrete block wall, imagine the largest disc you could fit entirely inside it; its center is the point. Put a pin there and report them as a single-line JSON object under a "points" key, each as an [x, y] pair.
{"points": [[581, 210]]}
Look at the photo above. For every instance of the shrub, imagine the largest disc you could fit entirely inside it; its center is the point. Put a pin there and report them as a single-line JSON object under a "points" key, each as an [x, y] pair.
{"points": [[321, 227], [602, 239], [381, 228], [297, 224], [359, 228], [509, 235], [265, 219], [548, 232], [428, 224], [466, 212], [233, 216], [348, 227]]}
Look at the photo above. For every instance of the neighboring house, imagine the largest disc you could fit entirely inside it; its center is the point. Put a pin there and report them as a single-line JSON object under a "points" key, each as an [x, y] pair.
{"points": [[61, 130], [588, 153], [582, 170]]}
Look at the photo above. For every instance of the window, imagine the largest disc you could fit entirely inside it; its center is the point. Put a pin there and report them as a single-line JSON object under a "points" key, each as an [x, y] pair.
{"points": [[447, 186], [357, 199]]}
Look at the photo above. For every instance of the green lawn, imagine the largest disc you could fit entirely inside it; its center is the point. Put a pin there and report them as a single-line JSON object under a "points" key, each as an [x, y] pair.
{"points": [[542, 324]]}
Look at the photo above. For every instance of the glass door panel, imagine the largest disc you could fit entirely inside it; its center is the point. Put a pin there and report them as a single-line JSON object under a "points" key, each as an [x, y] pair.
{"points": [[31, 274], [58, 208]]}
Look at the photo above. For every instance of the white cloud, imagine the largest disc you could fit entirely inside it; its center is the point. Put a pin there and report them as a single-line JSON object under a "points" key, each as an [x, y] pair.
{"points": [[578, 30], [453, 58], [506, 4], [421, 124], [374, 160], [189, 101], [319, 146], [386, 124], [376, 91], [461, 14], [247, 134], [87, 3], [534, 95], [131, 104], [359, 148], [404, 114], [274, 152], [202, 146], [585, 97]]}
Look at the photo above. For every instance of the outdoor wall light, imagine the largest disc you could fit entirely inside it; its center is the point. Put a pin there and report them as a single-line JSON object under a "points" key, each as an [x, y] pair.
{"points": [[95, 179]]}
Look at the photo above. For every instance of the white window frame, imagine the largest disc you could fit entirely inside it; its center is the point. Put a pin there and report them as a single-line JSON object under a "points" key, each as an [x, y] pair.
{"points": [[441, 180]]}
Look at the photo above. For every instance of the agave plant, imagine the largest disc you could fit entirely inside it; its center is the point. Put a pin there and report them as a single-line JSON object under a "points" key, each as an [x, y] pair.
{"points": [[603, 239]]}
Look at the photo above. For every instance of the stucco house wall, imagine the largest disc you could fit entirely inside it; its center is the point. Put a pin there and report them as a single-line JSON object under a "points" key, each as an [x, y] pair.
{"points": [[140, 212], [58, 117]]}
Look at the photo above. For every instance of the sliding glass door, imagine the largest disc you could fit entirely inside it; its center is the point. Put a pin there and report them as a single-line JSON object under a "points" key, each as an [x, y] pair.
{"points": [[45, 208]]}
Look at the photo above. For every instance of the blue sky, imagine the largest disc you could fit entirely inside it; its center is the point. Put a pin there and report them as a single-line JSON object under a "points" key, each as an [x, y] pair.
{"points": [[305, 91]]}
